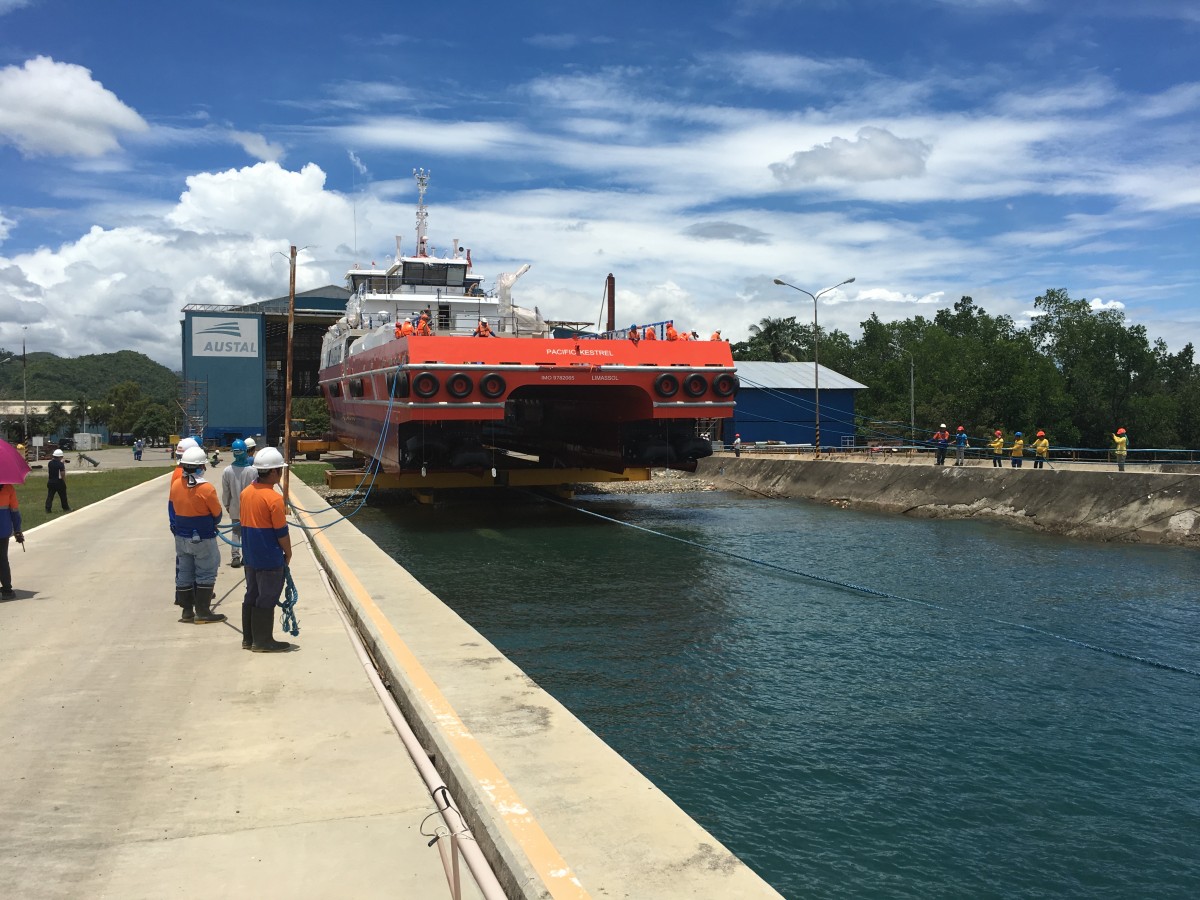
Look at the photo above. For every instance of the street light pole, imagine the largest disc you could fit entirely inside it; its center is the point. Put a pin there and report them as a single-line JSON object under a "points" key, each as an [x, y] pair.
{"points": [[912, 395], [816, 358], [24, 389]]}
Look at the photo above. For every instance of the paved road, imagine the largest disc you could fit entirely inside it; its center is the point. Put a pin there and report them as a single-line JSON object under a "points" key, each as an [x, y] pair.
{"points": [[145, 758]]}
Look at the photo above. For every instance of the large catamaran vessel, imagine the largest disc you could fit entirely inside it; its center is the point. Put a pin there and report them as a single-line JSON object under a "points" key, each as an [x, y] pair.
{"points": [[414, 389]]}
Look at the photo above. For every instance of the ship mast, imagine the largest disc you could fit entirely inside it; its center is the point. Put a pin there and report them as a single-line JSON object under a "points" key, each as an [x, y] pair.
{"points": [[422, 178]]}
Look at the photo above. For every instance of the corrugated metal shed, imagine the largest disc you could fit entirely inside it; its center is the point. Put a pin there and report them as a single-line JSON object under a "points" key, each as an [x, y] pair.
{"points": [[792, 376]]}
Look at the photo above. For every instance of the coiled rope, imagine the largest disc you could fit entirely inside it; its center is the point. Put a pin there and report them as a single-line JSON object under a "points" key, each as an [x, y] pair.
{"points": [[871, 592], [287, 619]]}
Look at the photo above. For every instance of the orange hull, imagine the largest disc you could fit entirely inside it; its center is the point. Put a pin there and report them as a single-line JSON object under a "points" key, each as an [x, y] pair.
{"points": [[462, 402]]}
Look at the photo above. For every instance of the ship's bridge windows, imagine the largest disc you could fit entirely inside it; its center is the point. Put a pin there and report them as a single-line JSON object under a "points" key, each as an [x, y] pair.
{"points": [[436, 274], [371, 284]]}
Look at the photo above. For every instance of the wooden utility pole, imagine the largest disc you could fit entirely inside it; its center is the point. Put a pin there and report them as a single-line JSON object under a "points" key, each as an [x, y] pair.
{"points": [[287, 389]]}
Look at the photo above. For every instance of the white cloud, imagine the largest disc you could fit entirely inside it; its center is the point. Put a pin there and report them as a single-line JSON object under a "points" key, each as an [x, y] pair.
{"points": [[784, 71], [1097, 304], [49, 108], [876, 155], [6, 226], [7, 6], [258, 146]]}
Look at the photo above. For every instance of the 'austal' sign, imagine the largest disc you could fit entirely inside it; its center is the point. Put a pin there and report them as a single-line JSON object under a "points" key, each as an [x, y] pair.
{"points": [[224, 336]]}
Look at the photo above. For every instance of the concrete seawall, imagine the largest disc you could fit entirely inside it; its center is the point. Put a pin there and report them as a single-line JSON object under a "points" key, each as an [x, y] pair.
{"points": [[556, 811], [1102, 506]]}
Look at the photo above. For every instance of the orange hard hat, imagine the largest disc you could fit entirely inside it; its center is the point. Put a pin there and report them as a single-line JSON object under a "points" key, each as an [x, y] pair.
{"points": [[1041, 434], [1120, 431]]}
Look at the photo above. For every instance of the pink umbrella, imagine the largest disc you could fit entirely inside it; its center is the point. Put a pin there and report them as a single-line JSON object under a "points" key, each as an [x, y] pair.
{"points": [[13, 468]]}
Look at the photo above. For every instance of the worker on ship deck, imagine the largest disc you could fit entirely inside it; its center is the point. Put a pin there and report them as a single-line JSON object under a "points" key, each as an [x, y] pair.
{"points": [[634, 334], [672, 334], [484, 329], [423, 328], [649, 334], [404, 328], [716, 335]]}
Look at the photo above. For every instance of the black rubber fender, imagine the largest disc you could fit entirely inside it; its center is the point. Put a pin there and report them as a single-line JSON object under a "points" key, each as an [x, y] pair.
{"points": [[425, 385], [459, 385], [398, 385], [725, 385], [666, 385], [492, 386], [695, 385]]}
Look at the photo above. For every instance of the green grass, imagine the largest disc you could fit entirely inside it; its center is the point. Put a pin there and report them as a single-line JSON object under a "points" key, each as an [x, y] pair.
{"points": [[81, 491], [311, 473]]}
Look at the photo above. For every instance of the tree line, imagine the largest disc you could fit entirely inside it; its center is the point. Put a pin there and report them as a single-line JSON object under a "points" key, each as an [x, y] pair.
{"points": [[1076, 372], [126, 391]]}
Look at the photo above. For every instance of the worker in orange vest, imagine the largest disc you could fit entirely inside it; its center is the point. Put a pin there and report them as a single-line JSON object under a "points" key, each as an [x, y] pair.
{"points": [[672, 334], [716, 335], [484, 329], [423, 328], [635, 334], [405, 328], [649, 334]]}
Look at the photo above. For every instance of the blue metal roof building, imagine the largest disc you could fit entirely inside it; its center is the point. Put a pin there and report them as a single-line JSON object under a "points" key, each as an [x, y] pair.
{"points": [[777, 402]]}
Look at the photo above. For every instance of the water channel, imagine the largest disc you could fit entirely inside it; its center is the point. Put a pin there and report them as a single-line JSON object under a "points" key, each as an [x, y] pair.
{"points": [[845, 745]]}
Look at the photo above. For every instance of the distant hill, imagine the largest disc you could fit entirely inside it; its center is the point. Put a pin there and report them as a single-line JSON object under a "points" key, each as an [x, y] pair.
{"points": [[50, 377]]}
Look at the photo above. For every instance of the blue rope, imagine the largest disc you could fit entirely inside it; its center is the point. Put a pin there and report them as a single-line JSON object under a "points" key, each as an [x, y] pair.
{"points": [[1119, 654], [287, 621]]}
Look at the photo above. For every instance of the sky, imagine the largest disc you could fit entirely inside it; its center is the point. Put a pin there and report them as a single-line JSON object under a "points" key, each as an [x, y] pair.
{"points": [[171, 153]]}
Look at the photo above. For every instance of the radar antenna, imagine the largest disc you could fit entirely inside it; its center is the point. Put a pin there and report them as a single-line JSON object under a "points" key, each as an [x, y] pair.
{"points": [[422, 178]]}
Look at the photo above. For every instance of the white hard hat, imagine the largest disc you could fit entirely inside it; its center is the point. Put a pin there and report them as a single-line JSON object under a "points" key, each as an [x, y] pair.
{"points": [[250, 445], [56, 453], [269, 458], [194, 456], [185, 445]]}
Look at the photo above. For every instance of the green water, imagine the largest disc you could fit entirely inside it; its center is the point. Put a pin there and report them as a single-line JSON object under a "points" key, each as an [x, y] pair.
{"points": [[845, 745]]}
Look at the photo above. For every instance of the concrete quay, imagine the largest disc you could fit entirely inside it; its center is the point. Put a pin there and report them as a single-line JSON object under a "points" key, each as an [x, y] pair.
{"points": [[147, 758]]}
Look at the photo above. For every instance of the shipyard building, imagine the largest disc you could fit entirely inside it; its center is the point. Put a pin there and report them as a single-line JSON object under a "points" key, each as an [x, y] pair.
{"points": [[777, 402], [235, 362]]}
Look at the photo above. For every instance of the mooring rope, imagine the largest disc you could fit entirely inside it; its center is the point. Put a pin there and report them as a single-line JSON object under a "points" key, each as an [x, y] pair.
{"points": [[872, 592]]}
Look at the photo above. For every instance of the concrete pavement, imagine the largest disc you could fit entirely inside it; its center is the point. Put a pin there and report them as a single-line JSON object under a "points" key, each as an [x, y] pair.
{"points": [[145, 758]]}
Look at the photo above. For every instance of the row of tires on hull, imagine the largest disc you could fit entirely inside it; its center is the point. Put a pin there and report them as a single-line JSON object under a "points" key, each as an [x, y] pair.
{"points": [[460, 385], [695, 385]]}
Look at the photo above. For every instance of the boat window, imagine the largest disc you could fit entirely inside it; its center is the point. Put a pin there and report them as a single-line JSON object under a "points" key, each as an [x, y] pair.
{"points": [[437, 274]]}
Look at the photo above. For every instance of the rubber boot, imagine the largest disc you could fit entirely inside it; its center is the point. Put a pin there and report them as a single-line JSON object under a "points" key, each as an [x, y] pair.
{"points": [[247, 627], [204, 614], [263, 625], [185, 597]]}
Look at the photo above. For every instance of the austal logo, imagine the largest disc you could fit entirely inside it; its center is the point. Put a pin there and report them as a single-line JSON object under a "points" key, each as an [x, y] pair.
{"points": [[224, 337], [230, 328]]}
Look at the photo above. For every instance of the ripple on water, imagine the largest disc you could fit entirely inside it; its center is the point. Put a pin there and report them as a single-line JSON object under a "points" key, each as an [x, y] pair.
{"points": [[852, 746]]}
